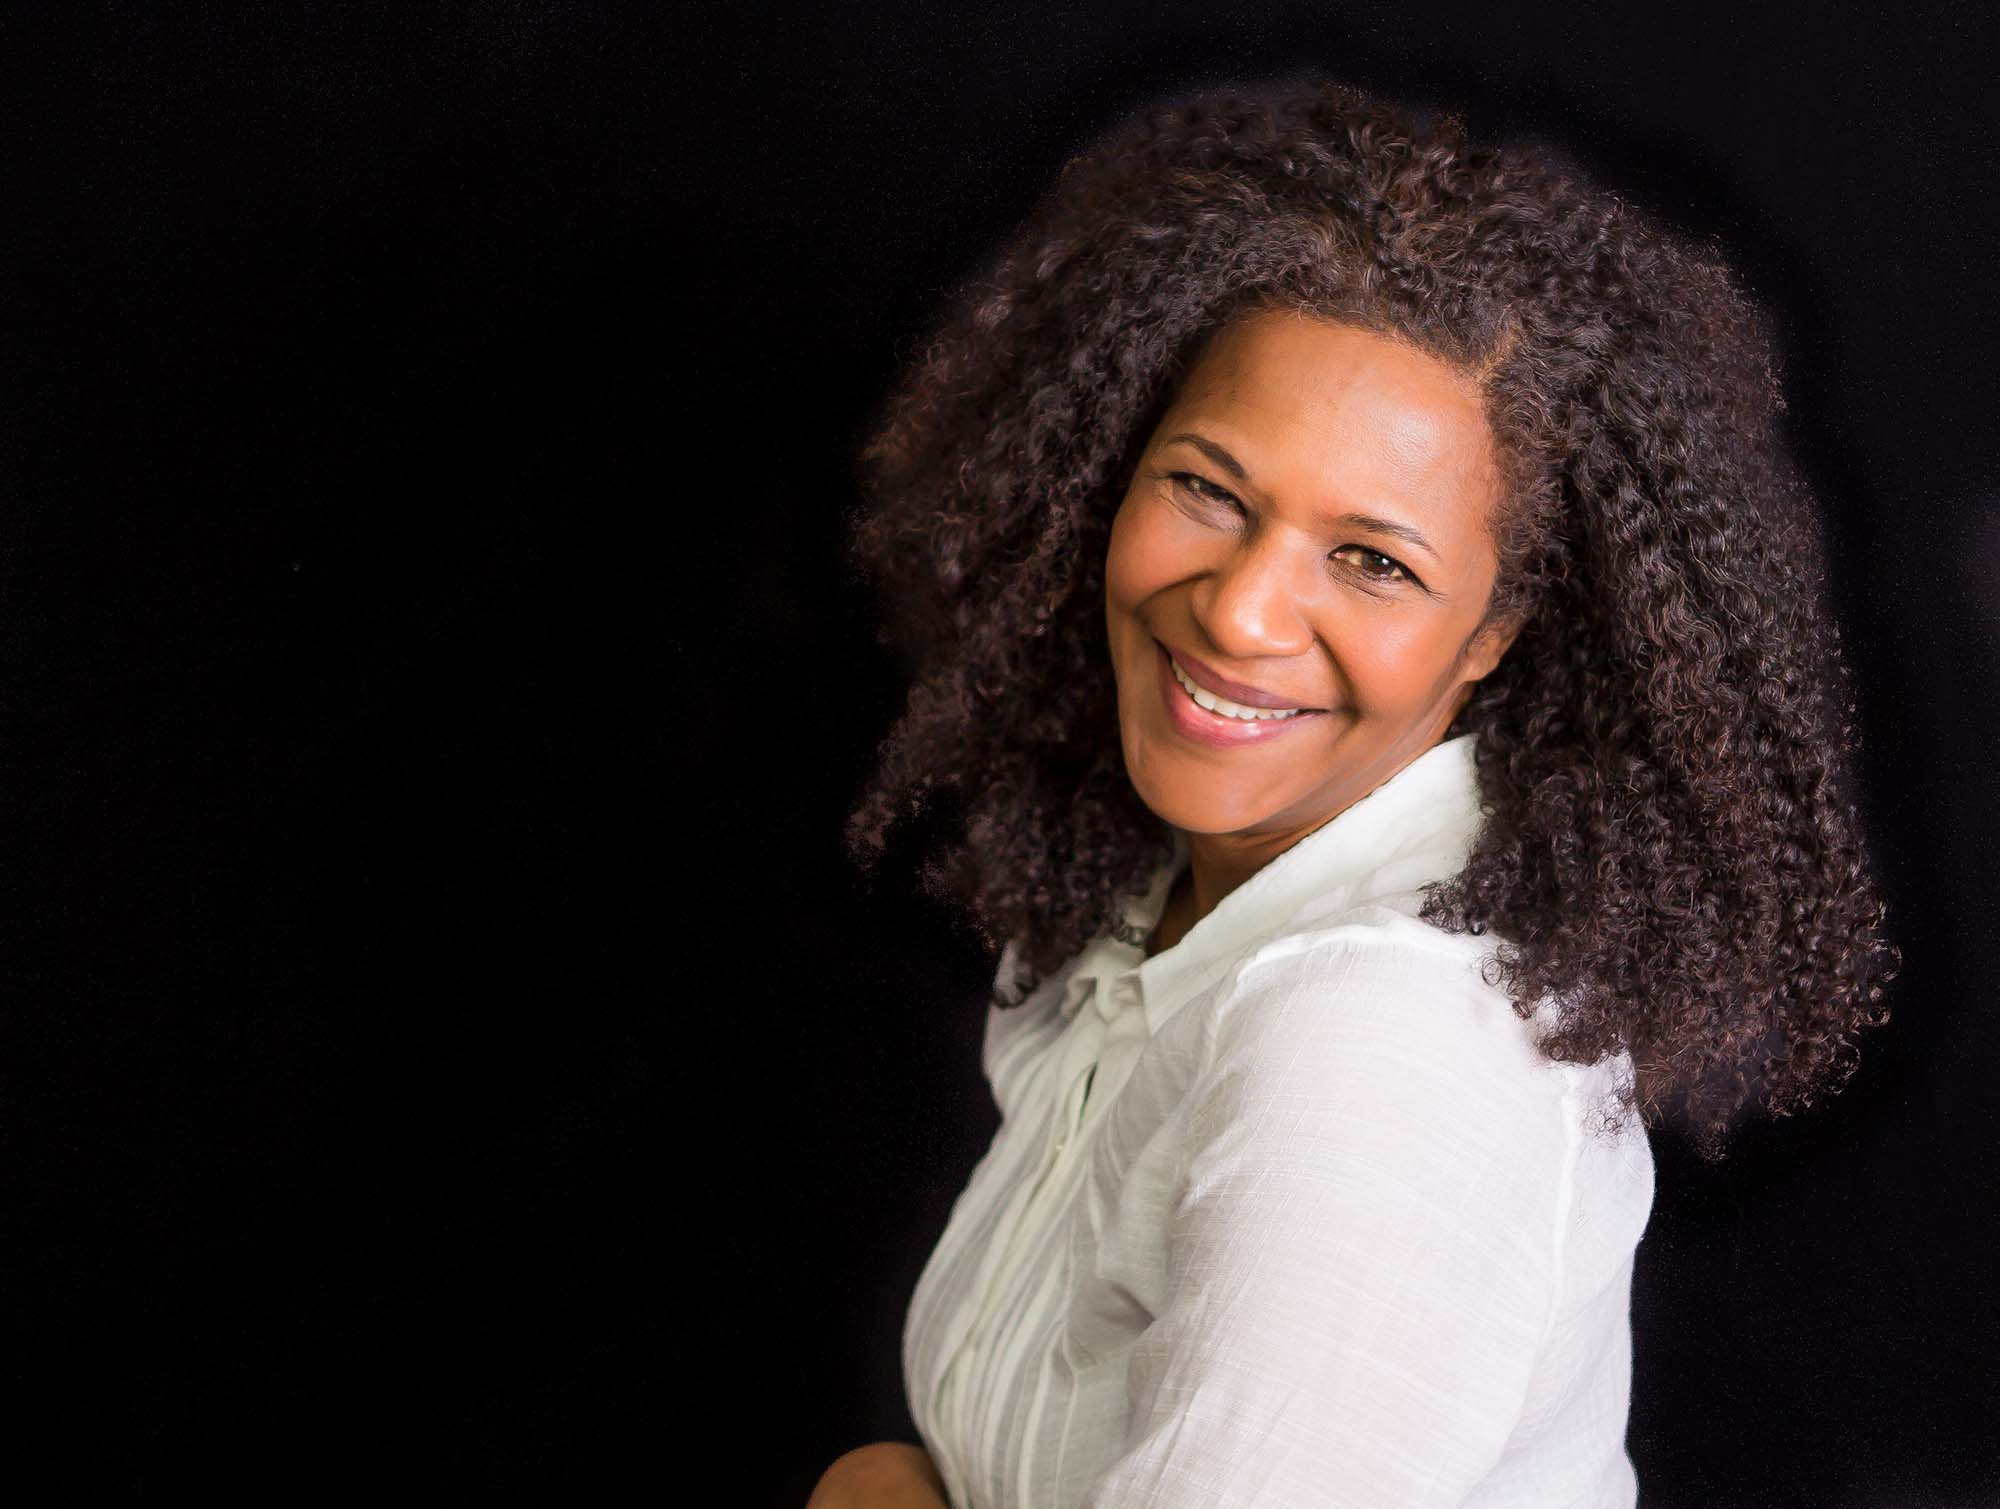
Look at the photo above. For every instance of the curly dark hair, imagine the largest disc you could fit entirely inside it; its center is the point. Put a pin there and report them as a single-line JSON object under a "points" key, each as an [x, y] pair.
{"points": [[1669, 843]]}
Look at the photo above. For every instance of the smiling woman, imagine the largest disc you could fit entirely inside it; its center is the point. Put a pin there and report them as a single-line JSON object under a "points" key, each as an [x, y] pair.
{"points": [[1373, 636], [1277, 596]]}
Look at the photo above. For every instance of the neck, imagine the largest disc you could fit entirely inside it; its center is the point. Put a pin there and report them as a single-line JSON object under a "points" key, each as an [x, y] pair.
{"points": [[1220, 862], [1217, 865]]}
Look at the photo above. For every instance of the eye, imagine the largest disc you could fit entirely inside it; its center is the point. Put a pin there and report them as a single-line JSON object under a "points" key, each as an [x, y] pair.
{"points": [[1202, 488], [1389, 570], [1382, 570]]}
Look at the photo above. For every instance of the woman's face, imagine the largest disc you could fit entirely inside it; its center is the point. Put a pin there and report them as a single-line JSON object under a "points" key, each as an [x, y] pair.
{"points": [[1307, 529]]}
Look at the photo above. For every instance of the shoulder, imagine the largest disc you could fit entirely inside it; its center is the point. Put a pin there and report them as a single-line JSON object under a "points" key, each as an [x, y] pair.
{"points": [[1378, 1020], [1380, 975], [1368, 1055]]}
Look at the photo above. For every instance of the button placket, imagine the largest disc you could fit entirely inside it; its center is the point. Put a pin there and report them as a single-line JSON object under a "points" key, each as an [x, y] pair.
{"points": [[1117, 1034], [1073, 1122], [1104, 1011], [1079, 1064]]}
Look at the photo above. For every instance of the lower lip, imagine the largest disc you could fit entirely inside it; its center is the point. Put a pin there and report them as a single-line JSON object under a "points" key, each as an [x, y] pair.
{"points": [[1216, 729]]}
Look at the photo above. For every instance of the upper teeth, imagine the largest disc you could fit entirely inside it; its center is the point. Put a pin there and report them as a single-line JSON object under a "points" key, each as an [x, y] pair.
{"points": [[1223, 705]]}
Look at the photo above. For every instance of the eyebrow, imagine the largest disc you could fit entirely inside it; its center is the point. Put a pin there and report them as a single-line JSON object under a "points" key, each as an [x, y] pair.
{"points": [[1379, 525]]}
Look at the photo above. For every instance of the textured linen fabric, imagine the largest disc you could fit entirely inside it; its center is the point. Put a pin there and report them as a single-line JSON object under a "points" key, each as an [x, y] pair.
{"points": [[1292, 1213]]}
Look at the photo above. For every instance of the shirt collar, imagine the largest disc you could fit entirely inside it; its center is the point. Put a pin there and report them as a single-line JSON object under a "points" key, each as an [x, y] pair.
{"points": [[1417, 826]]}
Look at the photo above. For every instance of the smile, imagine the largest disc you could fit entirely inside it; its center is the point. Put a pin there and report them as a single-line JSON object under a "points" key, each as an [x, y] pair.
{"points": [[1223, 705], [1217, 721]]}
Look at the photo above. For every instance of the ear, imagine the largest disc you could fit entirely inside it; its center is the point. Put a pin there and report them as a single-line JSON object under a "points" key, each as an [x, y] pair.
{"points": [[1489, 645]]}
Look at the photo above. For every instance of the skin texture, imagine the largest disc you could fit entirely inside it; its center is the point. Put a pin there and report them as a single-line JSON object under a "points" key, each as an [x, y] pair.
{"points": [[880, 1475], [1262, 579], [1670, 845]]}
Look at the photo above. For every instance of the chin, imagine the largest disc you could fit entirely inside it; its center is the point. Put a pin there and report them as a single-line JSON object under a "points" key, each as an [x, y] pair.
{"points": [[1193, 803]]}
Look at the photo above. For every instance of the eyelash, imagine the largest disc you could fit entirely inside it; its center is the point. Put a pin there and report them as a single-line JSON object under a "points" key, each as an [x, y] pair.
{"points": [[1195, 483]]}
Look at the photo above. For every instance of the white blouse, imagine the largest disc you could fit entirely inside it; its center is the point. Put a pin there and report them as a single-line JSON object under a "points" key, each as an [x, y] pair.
{"points": [[1292, 1213]]}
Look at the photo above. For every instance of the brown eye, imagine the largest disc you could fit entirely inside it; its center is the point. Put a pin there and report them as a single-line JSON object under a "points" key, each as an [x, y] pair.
{"points": [[1202, 488], [1376, 566]]}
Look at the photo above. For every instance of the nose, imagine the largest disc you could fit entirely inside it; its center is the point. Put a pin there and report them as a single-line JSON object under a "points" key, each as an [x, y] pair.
{"points": [[1254, 602]]}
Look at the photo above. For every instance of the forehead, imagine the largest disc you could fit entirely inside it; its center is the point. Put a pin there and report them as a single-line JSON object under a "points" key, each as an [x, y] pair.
{"points": [[1341, 416]]}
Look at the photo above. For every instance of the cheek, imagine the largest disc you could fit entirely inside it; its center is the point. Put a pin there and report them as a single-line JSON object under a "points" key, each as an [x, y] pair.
{"points": [[1121, 560], [1145, 554], [1393, 664]]}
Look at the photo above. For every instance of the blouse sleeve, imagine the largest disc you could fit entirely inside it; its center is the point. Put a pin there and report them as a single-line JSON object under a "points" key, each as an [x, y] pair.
{"points": [[1364, 1245]]}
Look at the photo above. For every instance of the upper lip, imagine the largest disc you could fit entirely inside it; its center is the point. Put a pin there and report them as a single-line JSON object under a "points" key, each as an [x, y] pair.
{"points": [[1214, 681]]}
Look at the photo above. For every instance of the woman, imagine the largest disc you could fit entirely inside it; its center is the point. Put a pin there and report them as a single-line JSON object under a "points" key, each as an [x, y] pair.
{"points": [[1360, 596]]}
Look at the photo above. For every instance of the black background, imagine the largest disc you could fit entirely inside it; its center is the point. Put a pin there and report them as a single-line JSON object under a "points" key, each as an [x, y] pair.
{"points": [[441, 1040]]}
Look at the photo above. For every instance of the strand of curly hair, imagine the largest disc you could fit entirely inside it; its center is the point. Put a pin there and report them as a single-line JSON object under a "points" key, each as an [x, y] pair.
{"points": [[1669, 845]]}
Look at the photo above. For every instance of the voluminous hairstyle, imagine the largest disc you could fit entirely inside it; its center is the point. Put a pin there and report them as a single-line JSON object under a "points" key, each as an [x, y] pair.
{"points": [[1668, 846]]}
